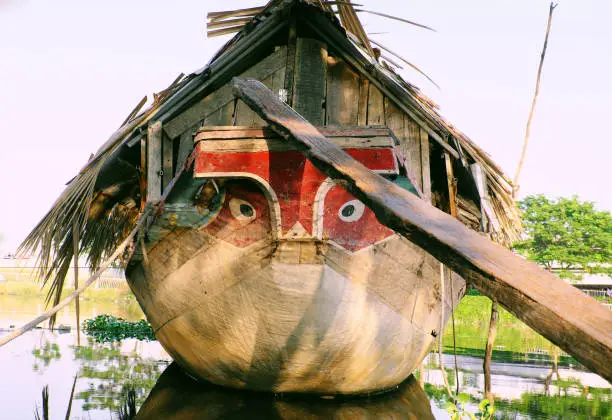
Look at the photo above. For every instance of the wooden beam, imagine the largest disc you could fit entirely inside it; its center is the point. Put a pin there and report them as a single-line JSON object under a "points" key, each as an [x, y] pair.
{"points": [[376, 106], [342, 95], [290, 66], [452, 185], [309, 80], [237, 132], [166, 160], [185, 146], [425, 165], [364, 87], [154, 160], [572, 320], [143, 172]]}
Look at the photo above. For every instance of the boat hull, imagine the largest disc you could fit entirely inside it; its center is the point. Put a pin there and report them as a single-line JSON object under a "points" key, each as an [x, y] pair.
{"points": [[294, 316]]}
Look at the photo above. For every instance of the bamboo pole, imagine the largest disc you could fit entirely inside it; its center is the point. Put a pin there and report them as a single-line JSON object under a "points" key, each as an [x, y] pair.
{"points": [[75, 252], [48, 314], [486, 365], [535, 98]]}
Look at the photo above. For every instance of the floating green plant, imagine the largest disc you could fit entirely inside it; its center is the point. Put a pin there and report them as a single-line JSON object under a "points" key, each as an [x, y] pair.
{"points": [[106, 328]]}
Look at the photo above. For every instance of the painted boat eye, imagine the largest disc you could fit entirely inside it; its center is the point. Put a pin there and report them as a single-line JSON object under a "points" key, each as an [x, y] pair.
{"points": [[246, 210], [242, 210], [351, 211]]}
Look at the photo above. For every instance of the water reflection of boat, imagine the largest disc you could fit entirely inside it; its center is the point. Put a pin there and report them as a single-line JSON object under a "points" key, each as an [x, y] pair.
{"points": [[178, 396]]}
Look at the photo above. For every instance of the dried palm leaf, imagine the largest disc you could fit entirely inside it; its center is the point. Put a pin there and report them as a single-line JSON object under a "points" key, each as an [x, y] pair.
{"points": [[395, 18], [378, 44]]}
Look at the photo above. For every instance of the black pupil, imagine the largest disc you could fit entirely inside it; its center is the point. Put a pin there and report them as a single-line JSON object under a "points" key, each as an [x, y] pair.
{"points": [[348, 211], [246, 210]]}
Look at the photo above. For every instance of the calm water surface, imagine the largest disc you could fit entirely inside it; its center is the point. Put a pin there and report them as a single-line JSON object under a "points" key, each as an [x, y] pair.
{"points": [[106, 371]]}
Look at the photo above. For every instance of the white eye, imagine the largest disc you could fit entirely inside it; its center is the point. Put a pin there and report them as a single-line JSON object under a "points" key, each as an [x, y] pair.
{"points": [[351, 211], [242, 210]]}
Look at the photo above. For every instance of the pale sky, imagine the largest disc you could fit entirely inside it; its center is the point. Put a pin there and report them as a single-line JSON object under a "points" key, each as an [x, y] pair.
{"points": [[71, 71]]}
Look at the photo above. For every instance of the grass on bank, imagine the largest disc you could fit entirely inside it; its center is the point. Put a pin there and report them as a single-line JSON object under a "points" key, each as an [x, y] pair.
{"points": [[514, 341], [30, 289]]}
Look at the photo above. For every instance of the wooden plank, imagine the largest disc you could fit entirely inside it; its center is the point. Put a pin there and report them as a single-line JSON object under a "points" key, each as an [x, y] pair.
{"points": [[411, 148], [425, 164], [451, 184], [143, 172], [185, 146], [342, 98], [221, 116], [277, 144], [237, 132], [290, 67], [154, 160], [309, 80], [376, 107], [408, 135], [364, 87], [219, 99], [572, 320], [244, 115], [166, 161]]}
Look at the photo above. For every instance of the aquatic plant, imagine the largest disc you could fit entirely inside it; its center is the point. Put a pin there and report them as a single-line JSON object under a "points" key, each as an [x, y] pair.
{"points": [[46, 353], [111, 376], [106, 328]]}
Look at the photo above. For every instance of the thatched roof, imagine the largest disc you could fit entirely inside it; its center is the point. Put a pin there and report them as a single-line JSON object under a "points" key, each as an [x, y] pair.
{"points": [[102, 202]]}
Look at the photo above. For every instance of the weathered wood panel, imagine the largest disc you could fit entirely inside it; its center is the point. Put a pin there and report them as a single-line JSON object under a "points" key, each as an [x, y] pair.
{"points": [[245, 117], [290, 67], [451, 184], [215, 102], [425, 166], [411, 148], [408, 133], [574, 321], [154, 160], [220, 116], [166, 161], [185, 146], [376, 107], [364, 87], [309, 80], [236, 132], [342, 94]]}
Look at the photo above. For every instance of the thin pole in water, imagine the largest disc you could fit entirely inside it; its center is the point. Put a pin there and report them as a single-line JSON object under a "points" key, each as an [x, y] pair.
{"points": [[75, 245]]}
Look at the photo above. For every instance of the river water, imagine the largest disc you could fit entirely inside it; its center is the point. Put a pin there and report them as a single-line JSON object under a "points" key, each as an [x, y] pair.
{"points": [[105, 373]]}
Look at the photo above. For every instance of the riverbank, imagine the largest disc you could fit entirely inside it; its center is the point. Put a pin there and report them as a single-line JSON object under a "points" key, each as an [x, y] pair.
{"points": [[30, 289], [515, 342]]}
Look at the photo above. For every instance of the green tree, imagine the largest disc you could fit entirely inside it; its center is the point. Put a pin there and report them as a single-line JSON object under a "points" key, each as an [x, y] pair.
{"points": [[568, 234]]}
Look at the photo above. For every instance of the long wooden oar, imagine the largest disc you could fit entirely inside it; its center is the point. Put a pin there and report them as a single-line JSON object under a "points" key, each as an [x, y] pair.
{"points": [[569, 318]]}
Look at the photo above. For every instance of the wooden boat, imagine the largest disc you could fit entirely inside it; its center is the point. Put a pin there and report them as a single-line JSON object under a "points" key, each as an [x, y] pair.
{"points": [[285, 282], [260, 268]]}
